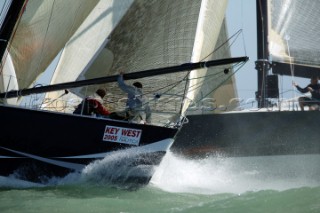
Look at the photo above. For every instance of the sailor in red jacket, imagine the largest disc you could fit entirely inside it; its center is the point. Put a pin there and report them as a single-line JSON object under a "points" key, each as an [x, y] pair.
{"points": [[93, 105]]}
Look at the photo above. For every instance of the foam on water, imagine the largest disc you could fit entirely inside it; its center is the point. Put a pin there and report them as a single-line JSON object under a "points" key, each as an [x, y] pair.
{"points": [[213, 175], [11, 182], [236, 175], [116, 169]]}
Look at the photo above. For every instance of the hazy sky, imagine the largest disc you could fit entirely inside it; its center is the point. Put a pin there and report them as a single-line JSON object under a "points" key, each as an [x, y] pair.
{"points": [[241, 15]]}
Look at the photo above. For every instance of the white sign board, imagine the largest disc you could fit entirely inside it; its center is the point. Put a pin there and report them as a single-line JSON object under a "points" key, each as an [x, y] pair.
{"points": [[122, 135]]}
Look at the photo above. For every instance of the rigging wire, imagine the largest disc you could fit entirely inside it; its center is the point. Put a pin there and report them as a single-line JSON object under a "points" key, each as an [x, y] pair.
{"points": [[236, 35], [198, 85], [221, 83], [59, 55], [45, 37], [205, 79], [242, 26]]}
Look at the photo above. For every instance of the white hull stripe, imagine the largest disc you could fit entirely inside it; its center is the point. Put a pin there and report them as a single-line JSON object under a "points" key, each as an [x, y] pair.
{"points": [[163, 145], [68, 165], [159, 146]]}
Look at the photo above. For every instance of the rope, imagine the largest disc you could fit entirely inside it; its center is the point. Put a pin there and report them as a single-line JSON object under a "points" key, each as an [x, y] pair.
{"points": [[287, 38]]}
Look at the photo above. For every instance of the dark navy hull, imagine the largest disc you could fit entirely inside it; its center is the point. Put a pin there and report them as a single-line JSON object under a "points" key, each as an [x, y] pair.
{"points": [[36, 145], [250, 134]]}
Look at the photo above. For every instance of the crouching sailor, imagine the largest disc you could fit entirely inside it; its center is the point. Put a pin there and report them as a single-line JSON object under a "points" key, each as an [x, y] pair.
{"points": [[92, 105]]}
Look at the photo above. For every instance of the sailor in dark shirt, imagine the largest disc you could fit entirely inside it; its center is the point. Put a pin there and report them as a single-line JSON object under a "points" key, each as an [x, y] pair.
{"points": [[314, 88]]}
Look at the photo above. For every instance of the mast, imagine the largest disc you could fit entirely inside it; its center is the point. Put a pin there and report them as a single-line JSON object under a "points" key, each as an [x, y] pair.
{"points": [[9, 23], [136, 75], [262, 63]]}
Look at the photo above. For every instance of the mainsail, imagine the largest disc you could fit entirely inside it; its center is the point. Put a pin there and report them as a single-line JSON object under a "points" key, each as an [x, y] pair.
{"points": [[294, 37]]}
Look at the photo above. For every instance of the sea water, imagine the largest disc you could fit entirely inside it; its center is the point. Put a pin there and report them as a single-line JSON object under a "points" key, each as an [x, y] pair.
{"points": [[214, 184]]}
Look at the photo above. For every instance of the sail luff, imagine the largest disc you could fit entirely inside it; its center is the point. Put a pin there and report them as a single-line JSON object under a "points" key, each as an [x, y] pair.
{"points": [[211, 13], [85, 55], [136, 75], [42, 32], [81, 51], [9, 23]]}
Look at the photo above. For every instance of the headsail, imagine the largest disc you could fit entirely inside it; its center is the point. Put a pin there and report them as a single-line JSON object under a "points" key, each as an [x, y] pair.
{"points": [[42, 32], [155, 34], [11, 12], [85, 52], [201, 83]]}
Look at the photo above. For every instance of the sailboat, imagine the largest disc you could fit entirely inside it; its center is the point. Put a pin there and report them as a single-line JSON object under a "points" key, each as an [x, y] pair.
{"points": [[161, 43], [287, 35]]}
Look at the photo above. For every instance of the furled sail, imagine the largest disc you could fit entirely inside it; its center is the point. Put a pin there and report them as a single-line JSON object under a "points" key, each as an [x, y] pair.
{"points": [[294, 37]]}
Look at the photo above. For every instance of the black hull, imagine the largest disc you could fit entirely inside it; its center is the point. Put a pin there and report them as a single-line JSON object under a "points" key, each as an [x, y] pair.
{"points": [[250, 134], [37, 145]]}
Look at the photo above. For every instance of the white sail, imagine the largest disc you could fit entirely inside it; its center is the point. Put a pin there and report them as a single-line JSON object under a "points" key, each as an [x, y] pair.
{"points": [[218, 88], [8, 79], [132, 36], [211, 14], [151, 34], [85, 49], [42, 32]]}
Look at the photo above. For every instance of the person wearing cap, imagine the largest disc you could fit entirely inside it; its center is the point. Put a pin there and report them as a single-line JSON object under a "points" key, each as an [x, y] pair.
{"points": [[136, 103], [93, 105], [314, 88]]}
